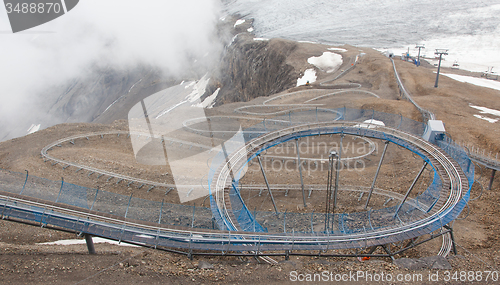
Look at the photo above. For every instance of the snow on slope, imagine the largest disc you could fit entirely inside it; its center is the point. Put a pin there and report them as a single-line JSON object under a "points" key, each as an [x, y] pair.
{"points": [[474, 80], [309, 75], [485, 110], [328, 61]]}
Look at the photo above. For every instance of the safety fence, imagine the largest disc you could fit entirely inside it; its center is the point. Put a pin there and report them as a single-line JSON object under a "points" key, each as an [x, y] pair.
{"points": [[166, 214], [426, 114]]}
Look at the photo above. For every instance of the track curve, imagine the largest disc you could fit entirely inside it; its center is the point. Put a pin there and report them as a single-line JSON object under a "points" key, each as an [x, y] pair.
{"points": [[453, 188]]}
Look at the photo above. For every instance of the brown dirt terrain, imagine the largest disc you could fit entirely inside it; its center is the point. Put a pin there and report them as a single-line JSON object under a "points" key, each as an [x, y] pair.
{"points": [[23, 261]]}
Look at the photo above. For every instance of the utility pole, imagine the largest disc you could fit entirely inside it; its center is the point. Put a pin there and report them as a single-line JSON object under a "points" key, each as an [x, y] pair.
{"points": [[418, 57], [439, 52]]}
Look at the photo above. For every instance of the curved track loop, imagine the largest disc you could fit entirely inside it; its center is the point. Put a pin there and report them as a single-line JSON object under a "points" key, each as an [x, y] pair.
{"points": [[47, 156], [454, 185]]}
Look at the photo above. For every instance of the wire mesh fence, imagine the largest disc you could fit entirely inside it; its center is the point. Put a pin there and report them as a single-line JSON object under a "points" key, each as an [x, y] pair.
{"points": [[106, 202]]}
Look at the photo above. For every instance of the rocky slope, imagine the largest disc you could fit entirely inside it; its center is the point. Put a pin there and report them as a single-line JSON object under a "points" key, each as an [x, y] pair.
{"points": [[253, 68]]}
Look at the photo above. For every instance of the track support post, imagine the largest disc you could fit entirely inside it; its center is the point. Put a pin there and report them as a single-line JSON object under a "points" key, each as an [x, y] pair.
{"points": [[492, 178], [454, 247], [376, 174], [411, 188], [90, 243], [334, 158], [267, 184]]}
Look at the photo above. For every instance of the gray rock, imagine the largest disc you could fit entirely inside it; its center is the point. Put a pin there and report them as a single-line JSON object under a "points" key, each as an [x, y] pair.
{"points": [[410, 263], [288, 262], [436, 262], [205, 265], [321, 261]]}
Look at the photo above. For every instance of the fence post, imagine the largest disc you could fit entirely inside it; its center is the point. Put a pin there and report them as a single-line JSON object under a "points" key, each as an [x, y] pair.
{"points": [[25, 180], [159, 223], [60, 190], [192, 220], [401, 121], [312, 228], [284, 222], [95, 198], [254, 218], [124, 222], [161, 209]]}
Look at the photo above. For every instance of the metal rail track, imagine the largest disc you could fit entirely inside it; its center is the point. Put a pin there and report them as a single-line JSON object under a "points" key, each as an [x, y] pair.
{"points": [[454, 188], [454, 184]]}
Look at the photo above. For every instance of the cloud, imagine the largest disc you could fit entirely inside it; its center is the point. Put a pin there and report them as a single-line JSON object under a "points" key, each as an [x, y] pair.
{"points": [[169, 35]]}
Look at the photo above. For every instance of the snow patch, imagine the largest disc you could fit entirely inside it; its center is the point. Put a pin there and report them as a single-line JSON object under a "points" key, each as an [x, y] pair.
{"points": [[33, 128], [368, 124], [198, 89], [233, 39], [190, 84], [260, 39], [82, 241], [209, 102], [486, 118], [337, 49], [374, 122], [309, 75], [239, 22], [328, 61], [251, 29], [485, 110], [308, 42], [170, 109], [474, 80]]}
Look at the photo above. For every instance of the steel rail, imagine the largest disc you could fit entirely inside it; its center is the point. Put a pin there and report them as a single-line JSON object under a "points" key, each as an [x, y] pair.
{"points": [[454, 195]]}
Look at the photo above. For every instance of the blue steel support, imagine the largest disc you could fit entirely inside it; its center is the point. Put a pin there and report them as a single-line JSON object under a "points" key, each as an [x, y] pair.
{"points": [[267, 184], [411, 188], [95, 198], [60, 190], [376, 174]]}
